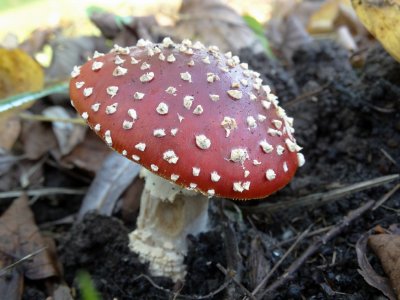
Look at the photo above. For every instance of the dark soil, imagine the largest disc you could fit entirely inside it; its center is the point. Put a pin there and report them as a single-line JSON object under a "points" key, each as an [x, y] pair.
{"points": [[343, 128]]}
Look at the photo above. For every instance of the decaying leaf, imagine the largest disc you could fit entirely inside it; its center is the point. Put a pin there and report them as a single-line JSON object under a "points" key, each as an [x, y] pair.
{"points": [[111, 181], [69, 52], [68, 135], [368, 273], [10, 127], [87, 155], [382, 19], [387, 248], [37, 139], [229, 31], [18, 73], [20, 237]]}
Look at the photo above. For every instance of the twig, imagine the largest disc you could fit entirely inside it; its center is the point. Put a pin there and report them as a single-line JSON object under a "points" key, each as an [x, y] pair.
{"points": [[386, 196], [231, 275], [337, 229], [42, 192], [388, 156], [26, 257], [310, 234], [195, 297], [305, 96], [276, 266], [42, 118], [322, 198]]}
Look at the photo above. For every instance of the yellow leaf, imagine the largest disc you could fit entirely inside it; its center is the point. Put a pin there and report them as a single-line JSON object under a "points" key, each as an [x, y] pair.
{"points": [[382, 19], [19, 73]]}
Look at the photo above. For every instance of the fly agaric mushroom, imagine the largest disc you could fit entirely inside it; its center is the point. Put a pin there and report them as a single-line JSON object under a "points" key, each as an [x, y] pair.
{"points": [[201, 124]]}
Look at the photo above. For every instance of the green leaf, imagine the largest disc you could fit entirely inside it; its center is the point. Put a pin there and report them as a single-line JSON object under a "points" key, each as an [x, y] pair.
{"points": [[21, 101], [258, 29], [86, 286]]}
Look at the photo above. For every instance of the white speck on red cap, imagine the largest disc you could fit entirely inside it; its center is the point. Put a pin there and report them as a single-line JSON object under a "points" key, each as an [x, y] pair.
{"points": [[154, 167], [107, 137], [270, 174], [75, 72], [95, 107], [85, 115], [186, 76], [87, 91], [162, 108], [203, 142], [119, 71], [215, 177], [267, 147], [111, 109], [170, 157], [174, 177], [112, 90], [188, 101], [140, 146], [198, 110], [235, 94], [147, 77], [138, 95], [160, 132], [79, 84], [97, 65], [195, 171]]}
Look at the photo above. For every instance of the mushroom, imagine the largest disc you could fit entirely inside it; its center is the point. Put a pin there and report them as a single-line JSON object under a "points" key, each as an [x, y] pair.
{"points": [[201, 124]]}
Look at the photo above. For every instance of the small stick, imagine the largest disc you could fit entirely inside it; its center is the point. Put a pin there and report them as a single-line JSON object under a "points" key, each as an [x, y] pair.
{"points": [[323, 197], [305, 96], [276, 266], [42, 192], [231, 274], [336, 230], [386, 196], [26, 257], [194, 297], [42, 118]]}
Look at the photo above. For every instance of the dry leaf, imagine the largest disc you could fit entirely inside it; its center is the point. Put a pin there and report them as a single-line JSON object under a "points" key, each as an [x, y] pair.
{"points": [[198, 19], [19, 237], [368, 273], [69, 52], [37, 139], [10, 127], [68, 135], [18, 73], [382, 19], [88, 155], [115, 175], [287, 35], [387, 248]]}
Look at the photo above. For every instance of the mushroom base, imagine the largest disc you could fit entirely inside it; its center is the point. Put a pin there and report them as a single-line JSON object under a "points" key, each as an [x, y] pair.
{"points": [[167, 215]]}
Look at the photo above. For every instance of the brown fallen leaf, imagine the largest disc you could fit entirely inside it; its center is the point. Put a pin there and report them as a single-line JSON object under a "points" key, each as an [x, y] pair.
{"points": [[115, 175], [387, 248], [88, 155], [69, 52], [37, 139], [368, 273], [229, 31], [68, 135], [382, 19], [10, 127], [20, 237]]}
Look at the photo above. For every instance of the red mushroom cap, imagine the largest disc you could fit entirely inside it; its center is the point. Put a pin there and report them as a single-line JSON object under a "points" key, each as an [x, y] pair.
{"points": [[191, 114]]}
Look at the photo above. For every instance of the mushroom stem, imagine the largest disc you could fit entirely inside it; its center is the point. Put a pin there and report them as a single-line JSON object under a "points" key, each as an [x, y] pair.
{"points": [[167, 215]]}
